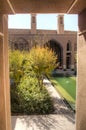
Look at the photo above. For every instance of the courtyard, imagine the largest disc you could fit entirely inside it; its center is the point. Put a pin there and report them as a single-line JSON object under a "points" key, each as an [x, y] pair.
{"points": [[61, 119], [13, 7], [33, 96]]}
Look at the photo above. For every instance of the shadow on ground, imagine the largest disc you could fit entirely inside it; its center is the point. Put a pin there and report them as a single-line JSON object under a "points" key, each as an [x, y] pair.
{"points": [[43, 122]]}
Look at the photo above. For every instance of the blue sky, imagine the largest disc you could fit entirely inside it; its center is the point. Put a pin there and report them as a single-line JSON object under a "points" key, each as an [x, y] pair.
{"points": [[44, 21]]}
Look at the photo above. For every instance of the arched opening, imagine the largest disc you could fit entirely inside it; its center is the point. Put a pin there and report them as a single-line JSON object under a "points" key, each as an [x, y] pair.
{"points": [[57, 48], [21, 44]]}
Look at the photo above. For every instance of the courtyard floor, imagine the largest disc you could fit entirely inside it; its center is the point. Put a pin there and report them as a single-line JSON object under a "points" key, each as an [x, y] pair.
{"points": [[62, 118]]}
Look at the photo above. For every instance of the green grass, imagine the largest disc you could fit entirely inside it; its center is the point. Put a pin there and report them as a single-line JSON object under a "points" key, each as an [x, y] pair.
{"points": [[66, 86]]}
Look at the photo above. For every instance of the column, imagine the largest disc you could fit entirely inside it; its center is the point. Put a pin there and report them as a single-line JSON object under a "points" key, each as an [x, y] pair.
{"points": [[81, 89], [5, 115], [60, 29], [33, 23]]}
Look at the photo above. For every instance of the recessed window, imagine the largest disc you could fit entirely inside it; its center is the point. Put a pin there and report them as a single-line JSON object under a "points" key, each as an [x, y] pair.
{"points": [[69, 46]]}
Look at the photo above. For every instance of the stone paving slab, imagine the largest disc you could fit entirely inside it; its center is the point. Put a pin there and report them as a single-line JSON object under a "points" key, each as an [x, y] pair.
{"points": [[43, 122]]}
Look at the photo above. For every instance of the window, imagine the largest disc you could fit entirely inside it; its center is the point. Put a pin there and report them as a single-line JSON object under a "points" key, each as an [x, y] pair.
{"points": [[69, 46]]}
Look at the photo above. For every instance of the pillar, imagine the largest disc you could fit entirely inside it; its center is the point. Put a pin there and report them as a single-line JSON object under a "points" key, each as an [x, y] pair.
{"points": [[60, 24], [5, 115], [33, 23], [81, 90]]}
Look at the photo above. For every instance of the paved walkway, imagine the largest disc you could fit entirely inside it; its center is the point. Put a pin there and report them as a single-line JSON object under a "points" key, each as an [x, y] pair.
{"points": [[61, 119], [59, 104]]}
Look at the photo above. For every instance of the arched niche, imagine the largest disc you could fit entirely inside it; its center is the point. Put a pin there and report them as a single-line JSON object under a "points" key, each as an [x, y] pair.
{"points": [[57, 48], [21, 44]]}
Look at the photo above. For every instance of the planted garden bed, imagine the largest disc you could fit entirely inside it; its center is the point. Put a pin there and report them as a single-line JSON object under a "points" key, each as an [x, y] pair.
{"points": [[27, 70]]}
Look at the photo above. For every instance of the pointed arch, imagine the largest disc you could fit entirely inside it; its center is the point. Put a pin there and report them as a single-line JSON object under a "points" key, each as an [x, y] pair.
{"points": [[21, 44], [57, 48]]}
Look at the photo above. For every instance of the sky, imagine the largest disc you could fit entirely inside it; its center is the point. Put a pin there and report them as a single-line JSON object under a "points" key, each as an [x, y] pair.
{"points": [[44, 21]]}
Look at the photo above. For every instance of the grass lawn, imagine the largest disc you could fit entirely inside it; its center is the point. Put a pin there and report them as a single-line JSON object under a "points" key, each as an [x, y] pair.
{"points": [[66, 86]]}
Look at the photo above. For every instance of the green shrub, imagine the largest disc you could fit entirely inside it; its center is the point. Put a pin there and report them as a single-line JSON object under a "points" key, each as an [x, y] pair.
{"points": [[25, 71], [31, 100], [17, 66]]}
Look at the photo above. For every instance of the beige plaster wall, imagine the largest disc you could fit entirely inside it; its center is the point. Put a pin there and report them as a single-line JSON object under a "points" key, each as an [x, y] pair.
{"points": [[81, 85], [5, 115]]}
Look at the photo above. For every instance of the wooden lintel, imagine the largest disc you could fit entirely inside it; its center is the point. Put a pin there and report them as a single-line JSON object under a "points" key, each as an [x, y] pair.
{"points": [[11, 6], [75, 1]]}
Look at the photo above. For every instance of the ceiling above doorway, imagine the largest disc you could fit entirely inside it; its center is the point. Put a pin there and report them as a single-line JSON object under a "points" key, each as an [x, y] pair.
{"points": [[42, 6]]}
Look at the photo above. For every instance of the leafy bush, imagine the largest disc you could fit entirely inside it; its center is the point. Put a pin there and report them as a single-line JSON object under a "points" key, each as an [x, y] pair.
{"points": [[27, 70], [30, 99], [17, 63]]}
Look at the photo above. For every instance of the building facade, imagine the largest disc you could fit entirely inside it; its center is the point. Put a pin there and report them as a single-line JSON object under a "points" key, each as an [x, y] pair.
{"points": [[63, 43]]}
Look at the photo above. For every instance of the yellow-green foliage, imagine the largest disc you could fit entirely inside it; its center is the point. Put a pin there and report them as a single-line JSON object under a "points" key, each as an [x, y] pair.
{"points": [[40, 61], [43, 61], [16, 62], [26, 96]]}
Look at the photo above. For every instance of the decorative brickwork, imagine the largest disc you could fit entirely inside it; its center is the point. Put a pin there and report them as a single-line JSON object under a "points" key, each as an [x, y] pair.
{"points": [[61, 41]]}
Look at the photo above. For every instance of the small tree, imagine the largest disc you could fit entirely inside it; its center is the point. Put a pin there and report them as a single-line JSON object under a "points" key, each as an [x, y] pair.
{"points": [[17, 65], [42, 61]]}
